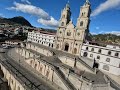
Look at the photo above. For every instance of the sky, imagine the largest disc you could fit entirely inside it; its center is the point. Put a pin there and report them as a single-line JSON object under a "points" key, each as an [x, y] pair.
{"points": [[105, 15]]}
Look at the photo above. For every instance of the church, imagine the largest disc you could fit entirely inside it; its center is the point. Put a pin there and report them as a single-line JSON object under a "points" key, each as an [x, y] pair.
{"points": [[69, 37]]}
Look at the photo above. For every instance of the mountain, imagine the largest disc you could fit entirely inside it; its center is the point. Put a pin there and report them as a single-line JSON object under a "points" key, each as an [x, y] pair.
{"points": [[107, 38], [15, 20]]}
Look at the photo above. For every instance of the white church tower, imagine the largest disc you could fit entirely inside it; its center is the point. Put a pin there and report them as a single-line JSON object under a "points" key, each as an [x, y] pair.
{"points": [[83, 21]]}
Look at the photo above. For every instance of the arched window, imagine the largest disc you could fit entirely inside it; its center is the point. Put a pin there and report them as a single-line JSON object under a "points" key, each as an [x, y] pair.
{"points": [[109, 52], [108, 60], [116, 54], [85, 54], [81, 23], [92, 49], [68, 33], [106, 67], [82, 14], [75, 50], [18, 88], [52, 45], [91, 55], [98, 57], [57, 47], [99, 51], [62, 24], [86, 48], [63, 16]]}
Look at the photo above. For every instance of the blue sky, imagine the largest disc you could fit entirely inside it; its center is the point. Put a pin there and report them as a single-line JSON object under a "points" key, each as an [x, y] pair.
{"points": [[105, 17]]}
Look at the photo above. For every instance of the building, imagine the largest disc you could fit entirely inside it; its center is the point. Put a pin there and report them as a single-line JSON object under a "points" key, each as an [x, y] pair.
{"points": [[42, 37], [71, 39], [106, 58]]}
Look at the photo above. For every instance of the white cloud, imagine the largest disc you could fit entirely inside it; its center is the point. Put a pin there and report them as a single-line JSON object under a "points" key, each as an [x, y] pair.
{"points": [[110, 32], [108, 4], [114, 32], [44, 17], [52, 22], [97, 28], [26, 1], [30, 9], [1, 15]]}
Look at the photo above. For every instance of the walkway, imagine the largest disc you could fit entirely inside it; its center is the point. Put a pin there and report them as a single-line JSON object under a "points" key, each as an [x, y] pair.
{"points": [[19, 59]]}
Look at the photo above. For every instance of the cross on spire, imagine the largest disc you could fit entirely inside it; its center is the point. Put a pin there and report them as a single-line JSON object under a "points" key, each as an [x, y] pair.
{"points": [[87, 1]]}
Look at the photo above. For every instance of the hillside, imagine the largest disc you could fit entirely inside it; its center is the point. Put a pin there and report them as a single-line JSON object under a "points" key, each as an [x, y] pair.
{"points": [[107, 38], [15, 20]]}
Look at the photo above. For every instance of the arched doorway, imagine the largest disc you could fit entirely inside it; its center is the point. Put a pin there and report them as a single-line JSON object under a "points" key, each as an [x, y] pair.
{"points": [[75, 50], [85, 54], [66, 47]]}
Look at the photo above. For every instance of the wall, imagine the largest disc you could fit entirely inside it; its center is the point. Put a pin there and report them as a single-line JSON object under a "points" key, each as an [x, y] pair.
{"points": [[12, 81], [113, 63], [39, 50]]}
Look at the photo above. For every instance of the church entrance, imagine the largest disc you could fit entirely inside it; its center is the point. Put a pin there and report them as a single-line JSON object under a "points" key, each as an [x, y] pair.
{"points": [[66, 47]]}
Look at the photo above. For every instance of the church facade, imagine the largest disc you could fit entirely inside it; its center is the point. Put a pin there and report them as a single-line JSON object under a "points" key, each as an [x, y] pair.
{"points": [[69, 37]]}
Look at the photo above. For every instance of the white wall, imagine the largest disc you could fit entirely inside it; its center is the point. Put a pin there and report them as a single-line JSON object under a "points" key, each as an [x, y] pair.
{"points": [[113, 63]]}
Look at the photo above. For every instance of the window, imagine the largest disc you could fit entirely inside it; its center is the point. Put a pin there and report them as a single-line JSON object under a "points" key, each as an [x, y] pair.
{"points": [[63, 16], [78, 34], [81, 23], [108, 60], [85, 54], [18, 88], [62, 24], [82, 14], [60, 32], [57, 46], [109, 53], [76, 44], [99, 51], [106, 67], [68, 33], [116, 54], [86, 48], [92, 49], [91, 55], [98, 57]]}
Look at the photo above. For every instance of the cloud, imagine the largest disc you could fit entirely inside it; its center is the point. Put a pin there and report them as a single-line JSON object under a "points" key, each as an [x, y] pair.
{"points": [[108, 4], [26, 1], [52, 22], [97, 28], [30, 9], [44, 17], [110, 32], [1, 15]]}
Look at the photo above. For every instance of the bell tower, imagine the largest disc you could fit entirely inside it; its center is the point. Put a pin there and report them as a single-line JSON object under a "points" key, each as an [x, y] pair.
{"points": [[83, 21], [65, 16], [64, 20]]}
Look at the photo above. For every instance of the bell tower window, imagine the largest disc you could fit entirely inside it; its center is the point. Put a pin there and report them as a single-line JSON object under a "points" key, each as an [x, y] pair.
{"points": [[63, 16], [81, 23], [68, 33], [62, 24]]}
